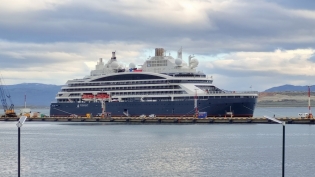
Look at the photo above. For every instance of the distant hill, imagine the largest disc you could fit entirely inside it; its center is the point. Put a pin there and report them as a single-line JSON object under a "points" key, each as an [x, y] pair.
{"points": [[36, 94], [291, 88], [41, 95]]}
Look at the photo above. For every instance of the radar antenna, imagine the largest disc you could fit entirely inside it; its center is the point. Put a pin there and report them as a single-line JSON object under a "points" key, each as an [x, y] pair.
{"points": [[180, 53]]}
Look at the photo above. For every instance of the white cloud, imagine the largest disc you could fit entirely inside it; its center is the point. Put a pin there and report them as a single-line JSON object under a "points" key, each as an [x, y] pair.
{"points": [[55, 63], [239, 70], [304, 13], [240, 42], [288, 62], [156, 13]]}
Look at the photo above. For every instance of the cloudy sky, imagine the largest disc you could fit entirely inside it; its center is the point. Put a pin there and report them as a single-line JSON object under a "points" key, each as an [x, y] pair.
{"points": [[241, 43]]}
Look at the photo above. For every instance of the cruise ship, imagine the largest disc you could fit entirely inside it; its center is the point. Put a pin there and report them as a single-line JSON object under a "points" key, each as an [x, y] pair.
{"points": [[161, 86]]}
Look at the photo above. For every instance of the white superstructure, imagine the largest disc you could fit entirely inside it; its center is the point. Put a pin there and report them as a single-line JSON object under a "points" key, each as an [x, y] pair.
{"points": [[161, 78], [160, 63]]}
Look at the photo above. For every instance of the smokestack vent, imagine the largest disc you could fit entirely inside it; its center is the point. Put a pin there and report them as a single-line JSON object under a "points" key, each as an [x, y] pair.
{"points": [[113, 55], [159, 51]]}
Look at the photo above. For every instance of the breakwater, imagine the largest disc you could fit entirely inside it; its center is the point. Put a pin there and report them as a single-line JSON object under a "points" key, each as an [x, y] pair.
{"points": [[170, 120]]}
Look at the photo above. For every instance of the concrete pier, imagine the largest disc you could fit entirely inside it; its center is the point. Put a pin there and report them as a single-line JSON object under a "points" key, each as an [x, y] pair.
{"points": [[209, 120]]}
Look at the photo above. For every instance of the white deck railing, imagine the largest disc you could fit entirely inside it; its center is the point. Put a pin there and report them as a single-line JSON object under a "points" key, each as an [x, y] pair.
{"points": [[232, 92]]}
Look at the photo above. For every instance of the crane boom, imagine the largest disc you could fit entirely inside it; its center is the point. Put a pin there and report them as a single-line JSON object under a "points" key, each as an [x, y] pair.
{"points": [[2, 95], [9, 112]]}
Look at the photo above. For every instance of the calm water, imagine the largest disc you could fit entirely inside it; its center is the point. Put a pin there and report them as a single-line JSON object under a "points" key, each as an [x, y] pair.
{"points": [[112, 149], [104, 149]]}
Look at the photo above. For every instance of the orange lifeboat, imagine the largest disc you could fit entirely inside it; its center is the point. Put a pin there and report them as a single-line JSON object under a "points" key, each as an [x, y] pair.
{"points": [[87, 96], [102, 96]]}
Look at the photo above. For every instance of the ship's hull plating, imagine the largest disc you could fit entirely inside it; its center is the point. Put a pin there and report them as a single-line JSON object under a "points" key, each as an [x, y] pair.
{"points": [[241, 107]]}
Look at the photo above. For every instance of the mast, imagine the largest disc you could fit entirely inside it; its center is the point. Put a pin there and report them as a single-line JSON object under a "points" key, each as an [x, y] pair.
{"points": [[24, 100], [180, 53], [309, 101]]}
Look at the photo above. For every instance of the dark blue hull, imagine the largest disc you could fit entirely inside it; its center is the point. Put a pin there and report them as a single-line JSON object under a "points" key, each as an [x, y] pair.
{"points": [[241, 107]]}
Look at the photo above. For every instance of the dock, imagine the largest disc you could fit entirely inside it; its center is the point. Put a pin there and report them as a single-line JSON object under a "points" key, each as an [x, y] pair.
{"points": [[191, 120]]}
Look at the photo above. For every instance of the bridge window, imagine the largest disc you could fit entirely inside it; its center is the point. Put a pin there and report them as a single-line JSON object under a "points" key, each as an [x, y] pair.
{"points": [[128, 77]]}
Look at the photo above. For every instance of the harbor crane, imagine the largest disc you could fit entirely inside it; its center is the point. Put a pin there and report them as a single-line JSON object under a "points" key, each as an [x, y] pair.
{"points": [[8, 111]]}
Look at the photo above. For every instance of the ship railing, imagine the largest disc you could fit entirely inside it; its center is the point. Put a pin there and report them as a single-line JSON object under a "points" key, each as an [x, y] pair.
{"points": [[232, 92]]}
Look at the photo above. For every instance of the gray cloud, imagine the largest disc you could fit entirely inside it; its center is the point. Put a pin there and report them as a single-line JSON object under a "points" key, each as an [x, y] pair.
{"points": [[301, 4], [69, 36], [235, 26]]}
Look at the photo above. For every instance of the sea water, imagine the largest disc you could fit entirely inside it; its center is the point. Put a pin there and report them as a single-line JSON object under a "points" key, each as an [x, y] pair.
{"points": [[84, 149]]}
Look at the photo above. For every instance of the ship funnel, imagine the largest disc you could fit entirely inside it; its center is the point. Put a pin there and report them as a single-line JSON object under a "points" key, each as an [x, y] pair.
{"points": [[159, 51], [101, 60], [113, 55]]}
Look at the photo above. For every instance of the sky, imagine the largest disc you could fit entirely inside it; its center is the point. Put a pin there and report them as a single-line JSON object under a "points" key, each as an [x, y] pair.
{"points": [[244, 44]]}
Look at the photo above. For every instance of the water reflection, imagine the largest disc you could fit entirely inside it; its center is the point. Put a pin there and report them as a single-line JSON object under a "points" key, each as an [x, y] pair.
{"points": [[107, 149]]}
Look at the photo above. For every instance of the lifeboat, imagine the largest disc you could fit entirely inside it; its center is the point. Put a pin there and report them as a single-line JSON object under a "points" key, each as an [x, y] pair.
{"points": [[87, 96], [102, 96]]}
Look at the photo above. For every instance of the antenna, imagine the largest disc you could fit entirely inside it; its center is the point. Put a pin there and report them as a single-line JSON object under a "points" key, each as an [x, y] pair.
{"points": [[24, 100], [309, 101], [180, 53]]}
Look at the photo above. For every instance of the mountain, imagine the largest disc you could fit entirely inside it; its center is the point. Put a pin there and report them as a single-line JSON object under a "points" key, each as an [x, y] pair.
{"points": [[41, 95], [291, 88], [36, 94]]}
